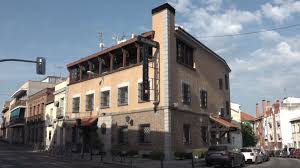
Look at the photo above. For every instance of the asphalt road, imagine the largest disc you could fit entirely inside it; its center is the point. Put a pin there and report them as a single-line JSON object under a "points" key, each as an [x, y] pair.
{"points": [[15, 156]]}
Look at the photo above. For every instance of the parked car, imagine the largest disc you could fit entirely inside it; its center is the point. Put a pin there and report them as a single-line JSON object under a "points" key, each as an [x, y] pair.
{"points": [[290, 155], [283, 153], [296, 153], [225, 156], [252, 155], [266, 155]]}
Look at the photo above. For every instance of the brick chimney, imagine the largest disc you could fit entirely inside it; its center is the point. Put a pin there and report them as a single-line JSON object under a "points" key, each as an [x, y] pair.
{"points": [[257, 110], [163, 23], [264, 106]]}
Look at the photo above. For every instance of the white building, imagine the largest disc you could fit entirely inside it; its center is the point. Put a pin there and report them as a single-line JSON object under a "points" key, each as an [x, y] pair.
{"points": [[236, 136], [289, 109]]}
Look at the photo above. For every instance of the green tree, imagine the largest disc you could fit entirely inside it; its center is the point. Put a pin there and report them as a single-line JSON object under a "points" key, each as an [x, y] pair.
{"points": [[249, 137]]}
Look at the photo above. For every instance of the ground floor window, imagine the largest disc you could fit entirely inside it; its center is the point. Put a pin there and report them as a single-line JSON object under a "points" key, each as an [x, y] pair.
{"points": [[144, 133], [123, 134], [186, 133]]}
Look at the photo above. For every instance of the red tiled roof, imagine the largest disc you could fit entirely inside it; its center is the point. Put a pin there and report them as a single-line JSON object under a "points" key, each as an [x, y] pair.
{"points": [[246, 117], [223, 122]]}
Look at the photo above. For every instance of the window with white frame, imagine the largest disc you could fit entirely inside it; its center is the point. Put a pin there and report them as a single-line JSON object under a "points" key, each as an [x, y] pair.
{"points": [[105, 97], [123, 95], [89, 102], [76, 104], [186, 93]]}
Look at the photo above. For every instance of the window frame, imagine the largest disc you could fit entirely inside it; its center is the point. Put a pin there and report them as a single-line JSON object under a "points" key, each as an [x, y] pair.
{"points": [[76, 97], [108, 99], [86, 102], [185, 60], [220, 84], [120, 131], [185, 95], [203, 98], [125, 103], [187, 141], [142, 134]]}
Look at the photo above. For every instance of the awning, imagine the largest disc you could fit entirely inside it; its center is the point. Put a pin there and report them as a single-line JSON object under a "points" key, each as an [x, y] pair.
{"points": [[223, 122], [85, 122]]}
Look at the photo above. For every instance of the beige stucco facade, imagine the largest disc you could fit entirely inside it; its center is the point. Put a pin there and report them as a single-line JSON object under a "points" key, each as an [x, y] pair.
{"points": [[168, 120]]}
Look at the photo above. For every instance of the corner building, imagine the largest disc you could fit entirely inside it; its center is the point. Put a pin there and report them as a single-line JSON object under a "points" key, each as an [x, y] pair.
{"points": [[189, 105]]}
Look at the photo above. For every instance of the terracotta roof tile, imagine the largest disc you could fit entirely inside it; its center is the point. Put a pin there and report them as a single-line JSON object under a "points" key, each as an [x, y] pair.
{"points": [[223, 122], [246, 117]]}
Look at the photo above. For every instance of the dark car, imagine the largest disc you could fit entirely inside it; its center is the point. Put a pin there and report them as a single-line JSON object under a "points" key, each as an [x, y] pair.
{"points": [[296, 153], [266, 155], [225, 156], [291, 153]]}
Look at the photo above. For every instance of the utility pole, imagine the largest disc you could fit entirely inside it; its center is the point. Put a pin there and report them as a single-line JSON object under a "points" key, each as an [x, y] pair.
{"points": [[40, 64]]}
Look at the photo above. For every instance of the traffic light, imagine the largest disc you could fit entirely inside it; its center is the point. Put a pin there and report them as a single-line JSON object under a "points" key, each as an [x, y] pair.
{"points": [[40, 65]]}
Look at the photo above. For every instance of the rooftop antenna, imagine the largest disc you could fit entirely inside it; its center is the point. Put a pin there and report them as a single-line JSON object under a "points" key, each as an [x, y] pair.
{"points": [[101, 43], [115, 37]]}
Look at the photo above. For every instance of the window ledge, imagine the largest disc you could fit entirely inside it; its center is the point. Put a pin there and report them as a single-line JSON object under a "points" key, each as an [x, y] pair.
{"points": [[104, 107], [123, 104], [187, 66]]}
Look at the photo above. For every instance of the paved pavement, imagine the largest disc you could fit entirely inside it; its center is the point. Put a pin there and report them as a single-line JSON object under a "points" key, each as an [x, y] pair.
{"points": [[17, 156]]}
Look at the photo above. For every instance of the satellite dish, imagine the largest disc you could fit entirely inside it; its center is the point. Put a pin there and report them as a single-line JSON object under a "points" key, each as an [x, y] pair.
{"points": [[101, 45]]}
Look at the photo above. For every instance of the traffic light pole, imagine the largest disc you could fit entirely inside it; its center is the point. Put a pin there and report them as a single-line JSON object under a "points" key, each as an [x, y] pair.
{"points": [[40, 63], [18, 60]]}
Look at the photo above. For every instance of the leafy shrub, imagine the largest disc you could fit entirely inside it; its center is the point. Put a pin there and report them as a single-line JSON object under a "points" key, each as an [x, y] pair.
{"points": [[199, 153], [155, 155]]}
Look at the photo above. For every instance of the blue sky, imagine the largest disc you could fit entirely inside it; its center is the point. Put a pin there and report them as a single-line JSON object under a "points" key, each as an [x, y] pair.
{"points": [[65, 30]]}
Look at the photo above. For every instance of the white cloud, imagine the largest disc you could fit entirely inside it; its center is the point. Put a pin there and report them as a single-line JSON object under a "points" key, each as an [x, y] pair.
{"points": [[181, 5], [280, 10]]}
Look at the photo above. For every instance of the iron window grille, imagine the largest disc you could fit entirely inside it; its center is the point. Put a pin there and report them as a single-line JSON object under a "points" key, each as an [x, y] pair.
{"points": [[89, 103], [140, 93], [105, 99], [186, 93], [76, 104], [203, 97], [123, 96], [145, 133]]}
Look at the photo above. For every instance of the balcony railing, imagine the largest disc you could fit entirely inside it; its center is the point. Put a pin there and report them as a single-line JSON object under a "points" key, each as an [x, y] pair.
{"points": [[17, 121], [82, 115], [18, 103]]}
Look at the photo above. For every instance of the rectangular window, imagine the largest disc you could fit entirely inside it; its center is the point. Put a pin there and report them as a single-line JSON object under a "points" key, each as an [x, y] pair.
{"points": [[222, 112], [140, 93], [42, 108], [76, 104], [221, 84], [186, 93], [105, 99], [184, 54], [186, 134], [61, 102], [89, 102], [226, 81], [145, 133], [123, 135], [204, 133], [227, 108], [203, 98], [123, 96]]}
